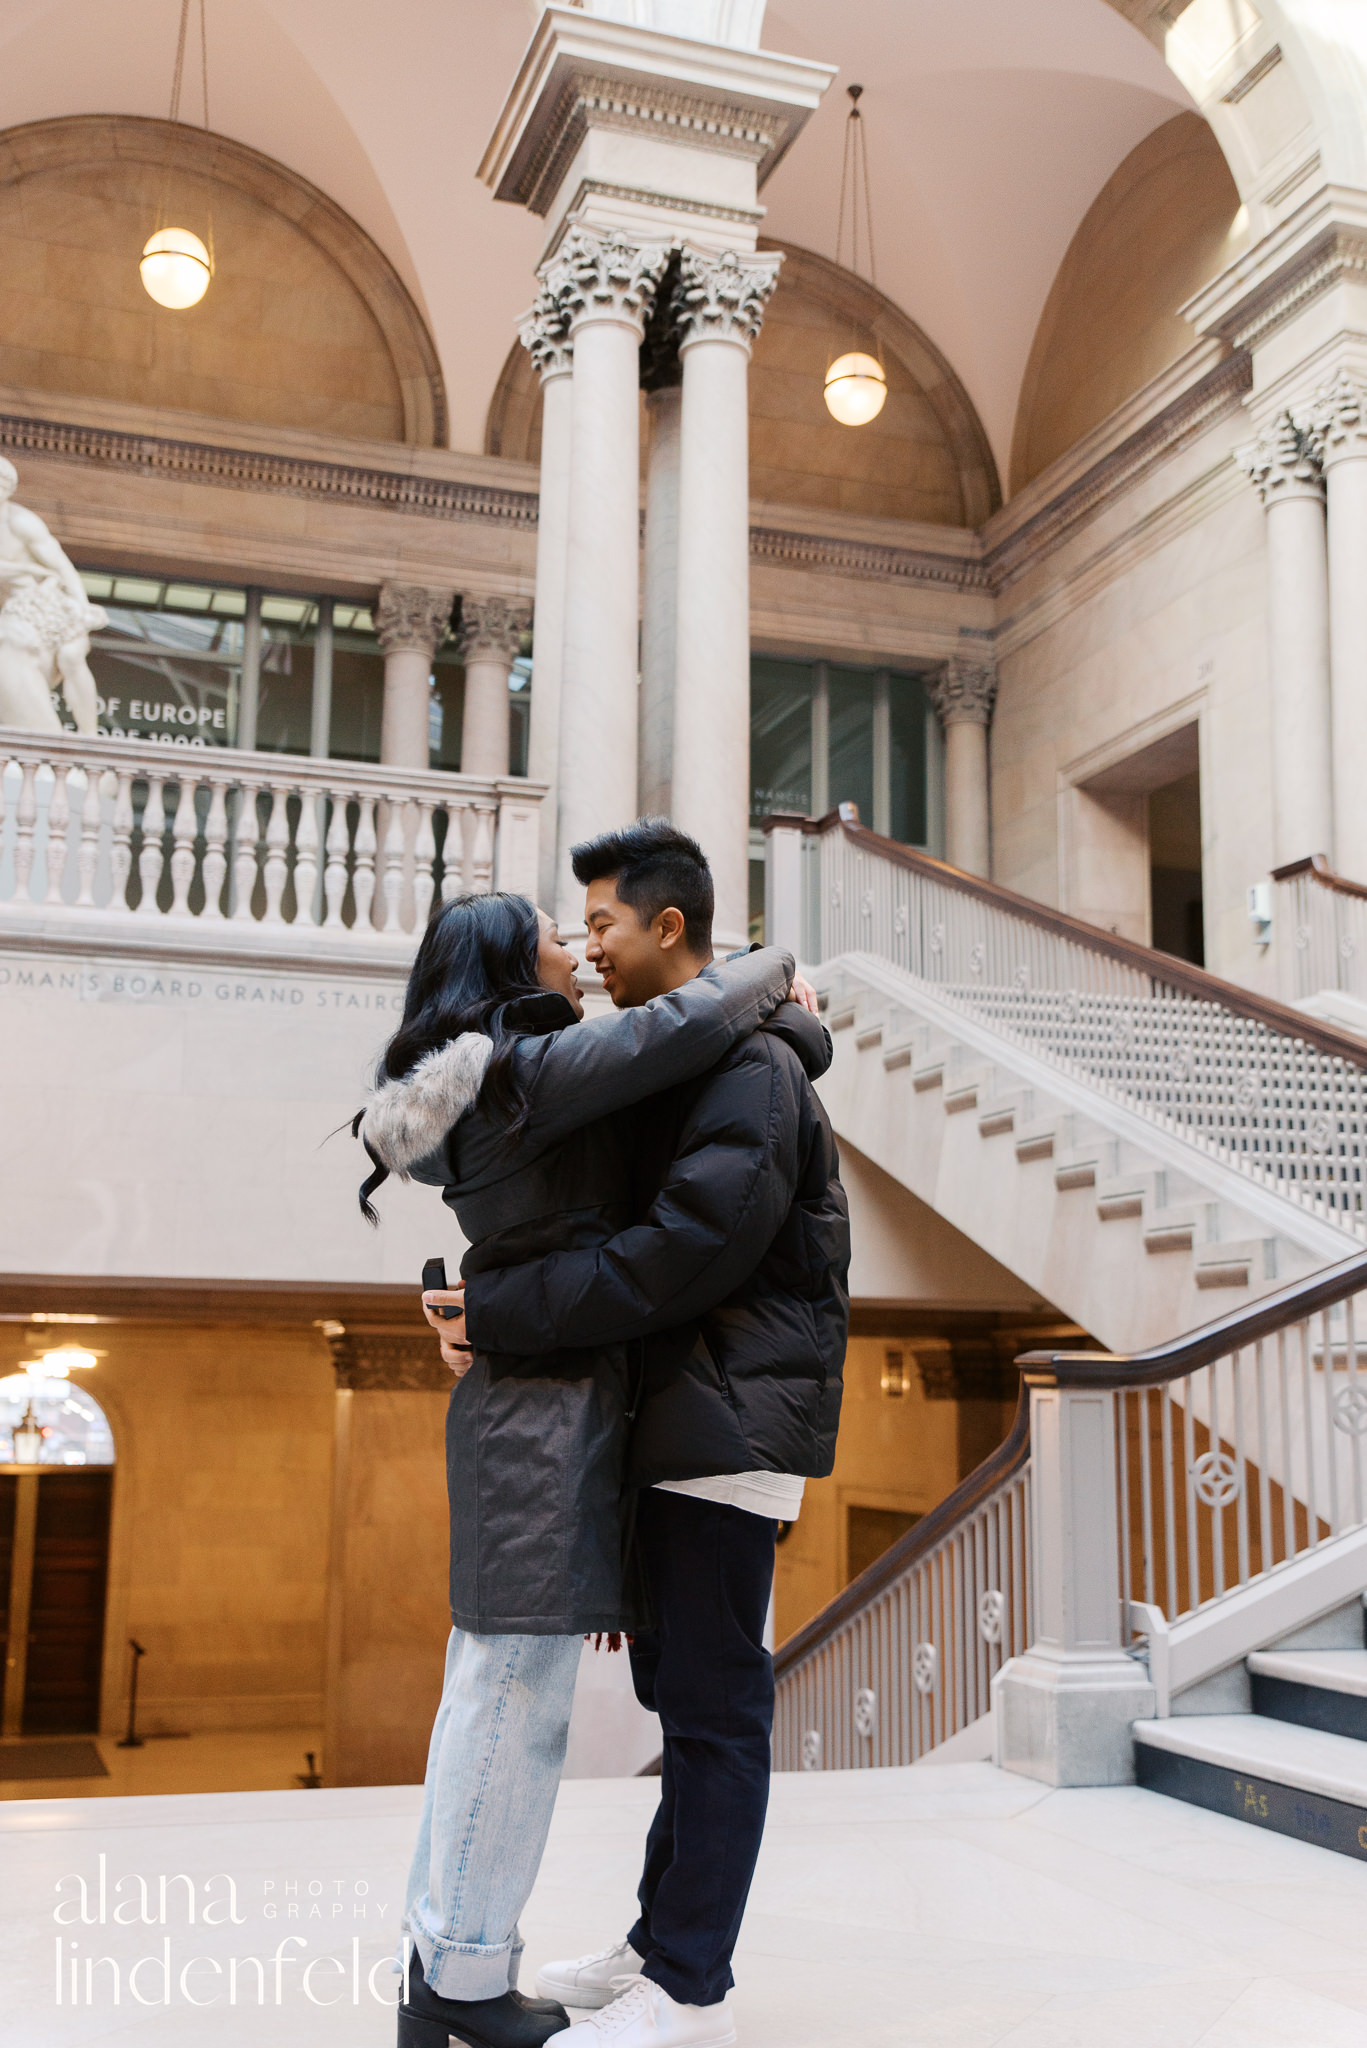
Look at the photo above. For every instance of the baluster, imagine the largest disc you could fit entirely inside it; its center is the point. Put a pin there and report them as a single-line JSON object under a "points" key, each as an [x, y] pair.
{"points": [[392, 883], [363, 884], [183, 847], [58, 821], [482, 859], [334, 873], [455, 853], [87, 820], [150, 858], [215, 847], [25, 822], [121, 846], [246, 827], [424, 858], [306, 858], [276, 862]]}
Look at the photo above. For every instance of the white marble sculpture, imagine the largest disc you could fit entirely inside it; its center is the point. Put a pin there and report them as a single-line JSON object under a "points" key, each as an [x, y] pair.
{"points": [[46, 621]]}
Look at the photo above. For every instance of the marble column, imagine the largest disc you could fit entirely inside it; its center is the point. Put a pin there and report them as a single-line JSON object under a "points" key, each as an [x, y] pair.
{"points": [[545, 336], [1284, 466], [606, 283], [490, 634], [718, 307], [660, 595], [411, 623], [1339, 418], [963, 694]]}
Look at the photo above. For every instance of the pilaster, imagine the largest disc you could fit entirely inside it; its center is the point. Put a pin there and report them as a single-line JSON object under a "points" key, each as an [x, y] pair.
{"points": [[964, 693], [411, 622]]}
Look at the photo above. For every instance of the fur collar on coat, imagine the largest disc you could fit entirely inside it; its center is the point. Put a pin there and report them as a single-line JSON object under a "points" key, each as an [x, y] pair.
{"points": [[406, 1120]]}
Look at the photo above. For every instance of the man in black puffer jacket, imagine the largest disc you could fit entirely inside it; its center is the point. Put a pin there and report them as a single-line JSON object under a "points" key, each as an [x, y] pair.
{"points": [[736, 1283]]}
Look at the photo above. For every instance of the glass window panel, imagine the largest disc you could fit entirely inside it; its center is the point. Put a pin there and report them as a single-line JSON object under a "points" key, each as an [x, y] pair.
{"points": [[851, 743], [780, 737], [184, 597], [132, 590], [97, 586], [291, 610], [233, 603], [907, 809]]}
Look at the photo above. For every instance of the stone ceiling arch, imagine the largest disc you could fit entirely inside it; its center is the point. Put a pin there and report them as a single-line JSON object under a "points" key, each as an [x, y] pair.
{"points": [[926, 457], [136, 148]]}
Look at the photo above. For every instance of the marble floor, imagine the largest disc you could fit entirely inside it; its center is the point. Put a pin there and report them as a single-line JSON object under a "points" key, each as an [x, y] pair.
{"points": [[945, 1907]]}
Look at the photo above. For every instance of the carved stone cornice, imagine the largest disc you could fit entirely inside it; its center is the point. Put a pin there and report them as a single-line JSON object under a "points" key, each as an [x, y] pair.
{"points": [[248, 469], [491, 628], [866, 558], [544, 332], [411, 618], [1337, 418], [603, 276], [632, 106], [964, 692], [722, 297], [387, 1360], [1284, 461]]}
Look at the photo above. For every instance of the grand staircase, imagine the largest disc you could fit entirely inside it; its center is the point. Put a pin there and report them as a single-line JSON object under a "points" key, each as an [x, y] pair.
{"points": [[1177, 1164]]}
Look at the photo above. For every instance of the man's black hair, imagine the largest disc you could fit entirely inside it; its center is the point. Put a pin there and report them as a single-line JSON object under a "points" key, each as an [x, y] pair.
{"points": [[655, 867]]}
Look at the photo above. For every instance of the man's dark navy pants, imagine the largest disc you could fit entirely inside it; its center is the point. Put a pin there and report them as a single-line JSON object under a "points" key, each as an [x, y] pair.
{"points": [[705, 1671]]}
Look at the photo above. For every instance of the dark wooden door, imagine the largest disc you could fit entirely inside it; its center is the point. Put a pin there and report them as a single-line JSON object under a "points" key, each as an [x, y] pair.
{"points": [[9, 1495], [66, 1613]]}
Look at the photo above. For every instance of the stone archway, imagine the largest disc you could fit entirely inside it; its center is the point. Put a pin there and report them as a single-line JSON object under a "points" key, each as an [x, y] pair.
{"points": [[366, 324]]}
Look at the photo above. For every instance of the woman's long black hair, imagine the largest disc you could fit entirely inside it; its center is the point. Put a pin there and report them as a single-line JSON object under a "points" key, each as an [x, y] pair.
{"points": [[479, 956]]}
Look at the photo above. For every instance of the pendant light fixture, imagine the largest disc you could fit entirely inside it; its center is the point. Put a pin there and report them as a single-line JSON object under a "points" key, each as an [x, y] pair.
{"points": [[856, 383], [176, 265]]}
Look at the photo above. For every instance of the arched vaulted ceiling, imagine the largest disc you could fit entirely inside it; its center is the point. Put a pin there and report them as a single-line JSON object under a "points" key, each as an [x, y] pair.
{"points": [[993, 125]]}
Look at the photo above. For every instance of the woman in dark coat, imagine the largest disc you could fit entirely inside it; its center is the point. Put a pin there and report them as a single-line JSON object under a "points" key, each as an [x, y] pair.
{"points": [[494, 1091]]}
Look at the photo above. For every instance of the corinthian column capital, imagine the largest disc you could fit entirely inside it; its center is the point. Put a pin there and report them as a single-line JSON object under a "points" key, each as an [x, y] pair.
{"points": [[964, 692], [544, 332], [410, 618], [602, 277], [1284, 461], [722, 297], [491, 628], [1337, 419]]}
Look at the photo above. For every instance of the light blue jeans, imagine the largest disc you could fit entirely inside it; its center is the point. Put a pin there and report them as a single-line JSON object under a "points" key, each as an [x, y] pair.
{"points": [[493, 1767]]}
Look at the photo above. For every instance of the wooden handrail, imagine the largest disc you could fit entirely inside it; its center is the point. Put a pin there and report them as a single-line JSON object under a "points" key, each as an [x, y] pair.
{"points": [[1003, 1464], [1317, 867], [1172, 1361], [1165, 967]]}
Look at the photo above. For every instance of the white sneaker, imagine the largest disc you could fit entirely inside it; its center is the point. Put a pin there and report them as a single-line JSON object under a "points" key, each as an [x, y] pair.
{"points": [[647, 2017], [590, 1981]]}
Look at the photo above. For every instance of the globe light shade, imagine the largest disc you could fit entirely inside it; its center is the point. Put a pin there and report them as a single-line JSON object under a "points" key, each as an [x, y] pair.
{"points": [[855, 389], [175, 269]]}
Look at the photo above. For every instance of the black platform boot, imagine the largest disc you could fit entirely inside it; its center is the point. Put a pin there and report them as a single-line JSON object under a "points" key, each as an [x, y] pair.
{"points": [[427, 2020]]}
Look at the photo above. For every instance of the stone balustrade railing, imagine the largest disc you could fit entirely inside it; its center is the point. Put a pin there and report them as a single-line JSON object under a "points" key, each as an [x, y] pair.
{"points": [[122, 838]]}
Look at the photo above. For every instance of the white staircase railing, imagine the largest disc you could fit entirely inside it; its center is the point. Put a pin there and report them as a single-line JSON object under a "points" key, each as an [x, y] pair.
{"points": [[1320, 924], [1273, 1093], [129, 837], [905, 1657]]}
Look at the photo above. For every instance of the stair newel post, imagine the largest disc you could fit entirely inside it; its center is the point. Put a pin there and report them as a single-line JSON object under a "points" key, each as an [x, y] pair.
{"points": [[1064, 1710], [783, 919]]}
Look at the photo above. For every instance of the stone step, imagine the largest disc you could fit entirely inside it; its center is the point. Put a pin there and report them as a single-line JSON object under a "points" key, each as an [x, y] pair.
{"points": [[1036, 1140], [1240, 1263], [1324, 1689], [1291, 1780]]}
